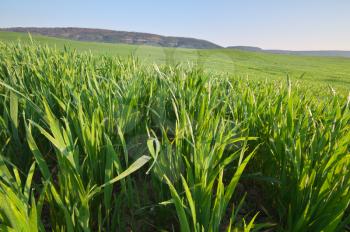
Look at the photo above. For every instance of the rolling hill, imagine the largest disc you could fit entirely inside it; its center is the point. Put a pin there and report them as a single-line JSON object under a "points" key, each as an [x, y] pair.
{"points": [[138, 38], [317, 71], [110, 36]]}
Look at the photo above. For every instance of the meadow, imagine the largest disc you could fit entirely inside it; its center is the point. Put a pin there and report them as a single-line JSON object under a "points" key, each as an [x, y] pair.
{"points": [[99, 142]]}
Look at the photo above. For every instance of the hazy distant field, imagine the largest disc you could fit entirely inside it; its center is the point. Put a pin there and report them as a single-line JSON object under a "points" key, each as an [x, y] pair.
{"points": [[254, 65]]}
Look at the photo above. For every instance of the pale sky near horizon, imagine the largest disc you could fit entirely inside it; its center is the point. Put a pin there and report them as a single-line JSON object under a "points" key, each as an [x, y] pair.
{"points": [[270, 24]]}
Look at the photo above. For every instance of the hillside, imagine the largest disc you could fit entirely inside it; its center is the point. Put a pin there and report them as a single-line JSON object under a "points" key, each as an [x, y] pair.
{"points": [[110, 36], [137, 38], [318, 71]]}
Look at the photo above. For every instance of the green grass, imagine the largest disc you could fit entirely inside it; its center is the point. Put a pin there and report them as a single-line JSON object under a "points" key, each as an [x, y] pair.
{"points": [[91, 143], [317, 72]]}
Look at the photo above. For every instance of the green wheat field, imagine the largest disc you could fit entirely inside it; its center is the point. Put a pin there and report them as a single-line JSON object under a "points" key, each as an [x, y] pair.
{"points": [[112, 137]]}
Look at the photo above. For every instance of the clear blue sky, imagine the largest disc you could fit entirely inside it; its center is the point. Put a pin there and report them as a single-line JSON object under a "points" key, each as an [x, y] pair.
{"points": [[282, 24]]}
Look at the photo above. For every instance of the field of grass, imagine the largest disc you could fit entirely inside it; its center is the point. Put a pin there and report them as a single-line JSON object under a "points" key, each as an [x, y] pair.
{"points": [[318, 72], [100, 143]]}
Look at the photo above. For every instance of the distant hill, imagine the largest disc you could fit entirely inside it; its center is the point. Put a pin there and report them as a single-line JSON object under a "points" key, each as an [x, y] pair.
{"points": [[246, 48], [312, 53], [288, 52], [332, 71], [137, 38], [110, 36]]}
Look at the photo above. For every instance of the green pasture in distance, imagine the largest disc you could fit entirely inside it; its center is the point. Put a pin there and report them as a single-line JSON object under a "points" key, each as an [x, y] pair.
{"points": [[317, 72]]}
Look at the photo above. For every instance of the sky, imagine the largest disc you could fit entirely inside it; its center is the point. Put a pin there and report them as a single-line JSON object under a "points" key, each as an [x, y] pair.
{"points": [[270, 24]]}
